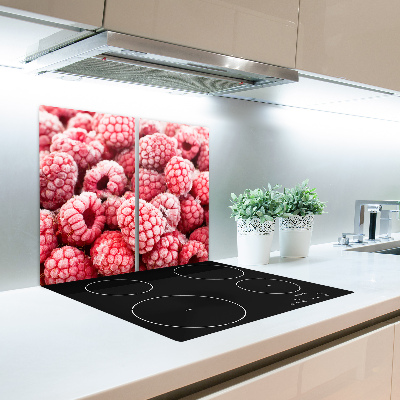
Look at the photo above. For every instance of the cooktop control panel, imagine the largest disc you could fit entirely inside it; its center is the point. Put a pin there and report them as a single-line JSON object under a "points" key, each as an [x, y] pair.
{"points": [[193, 300]]}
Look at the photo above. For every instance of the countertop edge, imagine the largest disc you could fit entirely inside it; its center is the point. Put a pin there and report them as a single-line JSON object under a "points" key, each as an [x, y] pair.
{"points": [[220, 364]]}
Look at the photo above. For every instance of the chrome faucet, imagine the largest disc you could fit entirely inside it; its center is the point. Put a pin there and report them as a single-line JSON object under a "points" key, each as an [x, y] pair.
{"points": [[373, 207]]}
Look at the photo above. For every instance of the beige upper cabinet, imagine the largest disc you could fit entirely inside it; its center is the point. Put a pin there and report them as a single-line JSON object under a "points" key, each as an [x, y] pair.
{"points": [[88, 13], [357, 40], [260, 30]]}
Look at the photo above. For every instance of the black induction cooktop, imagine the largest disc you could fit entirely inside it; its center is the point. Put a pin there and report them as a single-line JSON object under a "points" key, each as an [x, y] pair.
{"points": [[189, 301]]}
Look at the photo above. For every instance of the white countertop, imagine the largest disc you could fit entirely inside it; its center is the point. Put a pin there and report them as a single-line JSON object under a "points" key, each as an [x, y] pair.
{"points": [[52, 347]]}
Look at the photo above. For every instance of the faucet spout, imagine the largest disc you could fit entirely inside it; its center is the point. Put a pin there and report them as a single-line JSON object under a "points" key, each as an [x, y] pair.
{"points": [[359, 214]]}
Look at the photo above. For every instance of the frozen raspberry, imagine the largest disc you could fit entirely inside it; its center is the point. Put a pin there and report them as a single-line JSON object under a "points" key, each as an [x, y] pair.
{"points": [[79, 134], [90, 135], [191, 167], [81, 219], [151, 224], [165, 253], [193, 252], [84, 136], [49, 125], [127, 160], [142, 265], [206, 214], [81, 120], [76, 142], [111, 206], [118, 132], [189, 142], [111, 255], [204, 156], [126, 221], [201, 235], [181, 237], [58, 176], [68, 264], [41, 282], [170, 207], [192, 214], [95, 121], [200, 189], [149, 127], [151, 183], [156, 150], [204, 132], [179, 175], [128, 195], [108, 153], [64, 114], [43, 154], [48, 238], [107, 178], [171, 129]]}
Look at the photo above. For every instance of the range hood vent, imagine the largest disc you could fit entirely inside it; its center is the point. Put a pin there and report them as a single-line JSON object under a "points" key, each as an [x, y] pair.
{"points": [[117, 69], [118, 57]]}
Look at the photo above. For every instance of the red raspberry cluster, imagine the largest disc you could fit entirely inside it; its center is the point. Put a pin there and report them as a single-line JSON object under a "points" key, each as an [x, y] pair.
{"points": [[177, 155], [87, 184]]}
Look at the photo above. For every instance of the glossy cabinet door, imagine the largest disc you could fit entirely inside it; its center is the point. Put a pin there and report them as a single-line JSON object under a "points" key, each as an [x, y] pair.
{"points": [[86, 12], [260, 30], [396, 364], [355, 369], [356, 40]]}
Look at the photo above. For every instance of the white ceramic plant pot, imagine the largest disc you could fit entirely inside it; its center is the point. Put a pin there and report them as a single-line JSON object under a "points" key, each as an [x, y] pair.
{"points": [[254, 240], [295, 235]]}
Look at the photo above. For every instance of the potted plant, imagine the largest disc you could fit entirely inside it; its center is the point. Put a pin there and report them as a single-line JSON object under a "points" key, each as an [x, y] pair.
{"points": [[300, 204], [255, 212]]}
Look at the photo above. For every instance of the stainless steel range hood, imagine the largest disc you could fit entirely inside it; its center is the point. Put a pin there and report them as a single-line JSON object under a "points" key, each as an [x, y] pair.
{"points": [[119, 57]]}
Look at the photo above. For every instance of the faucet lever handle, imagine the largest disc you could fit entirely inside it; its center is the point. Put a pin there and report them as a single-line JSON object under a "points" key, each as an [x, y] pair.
{"points": [[344, 240]]}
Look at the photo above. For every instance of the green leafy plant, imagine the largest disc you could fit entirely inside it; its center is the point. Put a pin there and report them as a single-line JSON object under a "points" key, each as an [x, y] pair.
{"points": [[258, 203], [301, 200]]}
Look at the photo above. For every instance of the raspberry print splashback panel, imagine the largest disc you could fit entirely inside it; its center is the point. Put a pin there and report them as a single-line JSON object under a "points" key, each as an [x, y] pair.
{"points": [[87, 162], [173, 194]]}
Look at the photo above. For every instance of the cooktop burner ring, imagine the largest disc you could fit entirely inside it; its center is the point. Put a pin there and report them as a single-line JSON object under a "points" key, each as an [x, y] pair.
{"points": [[224, 268], [243, 311], [298, 287], [117, 294]]}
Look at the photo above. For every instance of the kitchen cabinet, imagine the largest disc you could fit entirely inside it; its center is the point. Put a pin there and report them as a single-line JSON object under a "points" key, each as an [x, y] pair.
{"points": [[260, 30], [396, 364], [87, 14], [358, 367], [355, 40]]}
